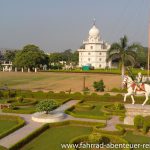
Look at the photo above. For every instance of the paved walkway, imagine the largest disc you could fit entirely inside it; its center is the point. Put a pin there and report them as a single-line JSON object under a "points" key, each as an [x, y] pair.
{"points": [[31, 126]]}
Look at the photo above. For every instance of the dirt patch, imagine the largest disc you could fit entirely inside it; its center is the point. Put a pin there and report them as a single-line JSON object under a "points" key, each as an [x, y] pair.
{"points": [[57, 81]]}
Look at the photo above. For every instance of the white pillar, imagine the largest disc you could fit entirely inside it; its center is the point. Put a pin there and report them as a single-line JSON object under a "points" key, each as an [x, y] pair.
{"points": [[15, 69], [21, 69], [28, 69], [3, 69], [35, 69]]}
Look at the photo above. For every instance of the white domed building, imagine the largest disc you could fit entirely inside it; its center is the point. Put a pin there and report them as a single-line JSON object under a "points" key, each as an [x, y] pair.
{"points": [[95, 50]]}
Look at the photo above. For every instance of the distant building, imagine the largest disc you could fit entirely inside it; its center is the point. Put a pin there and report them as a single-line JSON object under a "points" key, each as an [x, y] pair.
{"points": [[95, 51], [7, 66]]}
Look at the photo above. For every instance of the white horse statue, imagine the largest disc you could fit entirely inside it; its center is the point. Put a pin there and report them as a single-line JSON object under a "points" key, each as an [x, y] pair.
{"points": [[144, 89]]}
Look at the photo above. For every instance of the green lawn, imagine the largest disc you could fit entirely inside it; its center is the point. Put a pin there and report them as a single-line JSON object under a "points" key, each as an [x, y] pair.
{"points": [[52, 138], [135, 138], [6, 125]]}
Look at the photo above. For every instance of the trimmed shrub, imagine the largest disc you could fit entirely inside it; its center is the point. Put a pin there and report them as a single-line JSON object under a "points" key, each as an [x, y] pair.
{"points": [[118, 90], [119, 95], [76, 95], [146, 124], [94, 138], [106, 95], [119, 106], [99, 86], [138, 121], [20, 99]]}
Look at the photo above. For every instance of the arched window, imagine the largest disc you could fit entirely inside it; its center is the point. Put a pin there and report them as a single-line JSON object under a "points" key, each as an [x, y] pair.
{"points": [[100, 65], [100, 59], [91, 47], [89, 53], [100, 53], [89, 59]]}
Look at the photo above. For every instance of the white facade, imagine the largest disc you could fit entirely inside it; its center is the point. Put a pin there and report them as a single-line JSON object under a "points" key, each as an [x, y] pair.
{"points": [[7, 66], [95, 51]]}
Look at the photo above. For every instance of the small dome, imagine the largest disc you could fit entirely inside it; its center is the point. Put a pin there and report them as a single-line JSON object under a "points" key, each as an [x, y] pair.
{"points": [[94, 32]]}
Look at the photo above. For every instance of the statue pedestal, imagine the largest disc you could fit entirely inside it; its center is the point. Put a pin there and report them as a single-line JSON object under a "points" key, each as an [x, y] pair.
{"points": [[134, 110]]}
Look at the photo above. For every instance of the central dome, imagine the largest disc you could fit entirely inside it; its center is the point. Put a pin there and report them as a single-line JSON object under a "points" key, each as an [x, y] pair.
{"points": [[94, 32]]}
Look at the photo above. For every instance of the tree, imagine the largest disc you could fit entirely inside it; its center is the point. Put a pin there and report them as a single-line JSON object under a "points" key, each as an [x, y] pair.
{"points": [[55, 58], [123, 52], [9, 55], [30, 57], [99, 86], [46, 105], [141, 57]]}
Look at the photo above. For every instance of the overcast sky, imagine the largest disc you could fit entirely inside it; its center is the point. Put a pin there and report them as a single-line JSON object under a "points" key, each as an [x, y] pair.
{"points": [[56, 25]]}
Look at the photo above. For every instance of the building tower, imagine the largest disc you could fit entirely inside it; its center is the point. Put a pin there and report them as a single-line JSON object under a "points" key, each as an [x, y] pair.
{"points": [[95, 50]]}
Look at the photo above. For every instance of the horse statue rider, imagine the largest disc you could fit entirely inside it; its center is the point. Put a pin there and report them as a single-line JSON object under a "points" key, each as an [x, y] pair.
{"points": [[139, 82], [136, 87]]}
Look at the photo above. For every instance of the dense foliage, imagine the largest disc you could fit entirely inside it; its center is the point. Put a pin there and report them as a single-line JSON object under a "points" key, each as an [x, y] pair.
{"points": [[46, 105], [30, 57], [99, 86]]}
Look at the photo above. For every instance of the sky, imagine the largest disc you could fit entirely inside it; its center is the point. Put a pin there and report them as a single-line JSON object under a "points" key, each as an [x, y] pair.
{"points": [[57, 25]]}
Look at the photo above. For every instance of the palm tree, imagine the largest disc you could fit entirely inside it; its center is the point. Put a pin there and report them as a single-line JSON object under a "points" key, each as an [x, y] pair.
{"points": [[123, 52]]}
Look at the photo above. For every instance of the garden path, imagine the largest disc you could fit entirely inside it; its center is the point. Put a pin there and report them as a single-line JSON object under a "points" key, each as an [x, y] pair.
{"points": [[31, 126]]}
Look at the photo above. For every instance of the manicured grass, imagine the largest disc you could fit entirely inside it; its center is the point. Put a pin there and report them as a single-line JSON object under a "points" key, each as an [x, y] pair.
{"points": [[135, 138], [96, 112], [52, 138], [6, 125]]}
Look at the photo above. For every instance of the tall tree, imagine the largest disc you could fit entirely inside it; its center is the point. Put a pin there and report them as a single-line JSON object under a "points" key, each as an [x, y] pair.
{"points": [[9, 55], [124, 52], [30, 57]]}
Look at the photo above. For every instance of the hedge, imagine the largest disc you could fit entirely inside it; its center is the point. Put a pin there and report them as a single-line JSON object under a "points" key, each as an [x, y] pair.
{"points": [[77, 95], [113, 111], [146, 124], [40, 130], [120, 130], [18, 111], [138, 121], [69, 111], [32, 102], [19, 120], [30, 137], [102, 138], [84, 107]]}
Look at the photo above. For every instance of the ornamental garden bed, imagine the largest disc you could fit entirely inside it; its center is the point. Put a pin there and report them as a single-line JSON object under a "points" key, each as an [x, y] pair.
{"points": [[89, 109], [26, 106], [53, 135], [9, 124]]}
